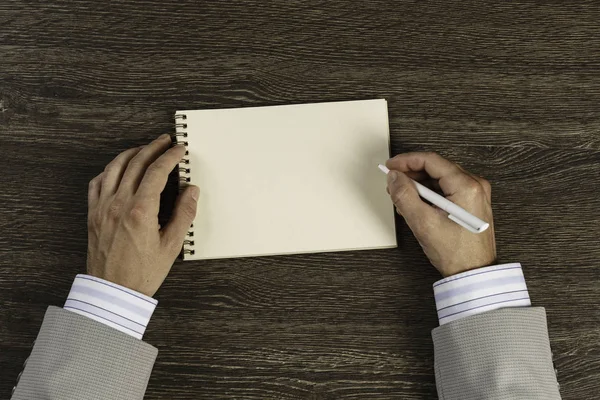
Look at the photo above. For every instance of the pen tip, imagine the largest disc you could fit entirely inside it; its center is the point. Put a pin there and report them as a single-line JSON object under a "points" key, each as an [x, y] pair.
{"points": [[383, 168]]}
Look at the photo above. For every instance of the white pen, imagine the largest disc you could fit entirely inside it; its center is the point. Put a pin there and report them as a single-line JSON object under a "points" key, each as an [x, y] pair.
{"points": [[455, 213]]}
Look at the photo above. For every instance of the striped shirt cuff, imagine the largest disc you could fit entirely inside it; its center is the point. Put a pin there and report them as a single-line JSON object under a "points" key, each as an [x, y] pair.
{"points": [[480, 290], [114, 305]]}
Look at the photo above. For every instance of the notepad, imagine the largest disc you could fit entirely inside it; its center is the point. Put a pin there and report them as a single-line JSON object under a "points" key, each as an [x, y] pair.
{"points": [[287, 179]]}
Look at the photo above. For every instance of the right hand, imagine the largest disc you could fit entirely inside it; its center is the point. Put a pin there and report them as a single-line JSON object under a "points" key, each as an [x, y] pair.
{"points": [[450, 247]]}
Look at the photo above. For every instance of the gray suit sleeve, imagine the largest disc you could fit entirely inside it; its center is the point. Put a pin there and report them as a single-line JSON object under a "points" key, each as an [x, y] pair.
{"points": [[75, 357], [501, 355]]}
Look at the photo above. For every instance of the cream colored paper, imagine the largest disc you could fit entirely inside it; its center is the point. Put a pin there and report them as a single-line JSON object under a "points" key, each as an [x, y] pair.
{"points": [[289, 179]]}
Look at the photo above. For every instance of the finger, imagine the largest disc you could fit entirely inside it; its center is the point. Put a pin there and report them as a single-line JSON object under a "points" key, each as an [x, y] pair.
{"points": [[94, 190], [183, 215], [432, 184], [449, 175], [486, 185], [435, 165], [423, 179], [115, 169], [418, 176], [407, 201], [137, 166], [157, 174], [474, 187]]}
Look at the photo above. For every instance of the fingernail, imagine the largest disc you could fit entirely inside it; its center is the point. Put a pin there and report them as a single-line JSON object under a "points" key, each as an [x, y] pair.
{"points": [[164, 136], [392, 176], [195, 192]]}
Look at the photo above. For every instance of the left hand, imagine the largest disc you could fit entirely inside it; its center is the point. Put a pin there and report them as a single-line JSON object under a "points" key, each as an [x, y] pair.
{"points": [[126, 244]]}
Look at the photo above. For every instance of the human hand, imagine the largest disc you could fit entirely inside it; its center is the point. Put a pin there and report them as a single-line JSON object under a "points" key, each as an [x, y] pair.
{"points": [[126, 244], [450, 248]]}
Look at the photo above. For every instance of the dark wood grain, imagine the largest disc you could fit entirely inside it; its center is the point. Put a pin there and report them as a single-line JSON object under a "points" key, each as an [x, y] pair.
{"points": [[511, 90]]}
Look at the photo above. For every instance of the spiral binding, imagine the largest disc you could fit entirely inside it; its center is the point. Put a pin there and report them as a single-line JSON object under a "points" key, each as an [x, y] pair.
{"points": [[184, 174]]}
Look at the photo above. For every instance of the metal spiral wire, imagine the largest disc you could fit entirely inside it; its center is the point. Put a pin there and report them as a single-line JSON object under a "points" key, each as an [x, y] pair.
{"points": [[185, 177]]}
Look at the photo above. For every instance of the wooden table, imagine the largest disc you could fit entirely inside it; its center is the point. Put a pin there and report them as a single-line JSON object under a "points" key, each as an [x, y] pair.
{"points": [[511, 90]]}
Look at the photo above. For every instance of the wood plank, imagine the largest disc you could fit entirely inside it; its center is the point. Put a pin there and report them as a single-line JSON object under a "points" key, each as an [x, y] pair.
{"points": [[508, 90]]}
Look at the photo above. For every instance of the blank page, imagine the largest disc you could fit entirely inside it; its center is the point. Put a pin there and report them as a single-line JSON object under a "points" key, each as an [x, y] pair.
{"points": [[289, 179]]}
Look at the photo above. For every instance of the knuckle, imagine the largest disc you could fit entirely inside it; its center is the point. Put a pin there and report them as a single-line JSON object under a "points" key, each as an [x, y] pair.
{"points": [[138, 213], [473, 187], [487, 186], [400, 194], [432, 154], [111, 168], [115, 209], [97, 220]]}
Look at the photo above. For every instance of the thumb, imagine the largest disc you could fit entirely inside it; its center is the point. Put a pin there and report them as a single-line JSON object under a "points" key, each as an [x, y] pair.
{"points": [[406, 199], [183, 216]]}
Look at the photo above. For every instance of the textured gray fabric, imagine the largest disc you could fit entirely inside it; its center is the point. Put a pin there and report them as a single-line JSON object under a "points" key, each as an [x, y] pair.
{"points": [[77, 358], [501, 355]]}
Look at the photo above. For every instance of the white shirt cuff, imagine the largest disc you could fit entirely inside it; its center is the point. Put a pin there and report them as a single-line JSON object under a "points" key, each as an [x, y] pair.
{"points": [[480, 290], [114, 305]]}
